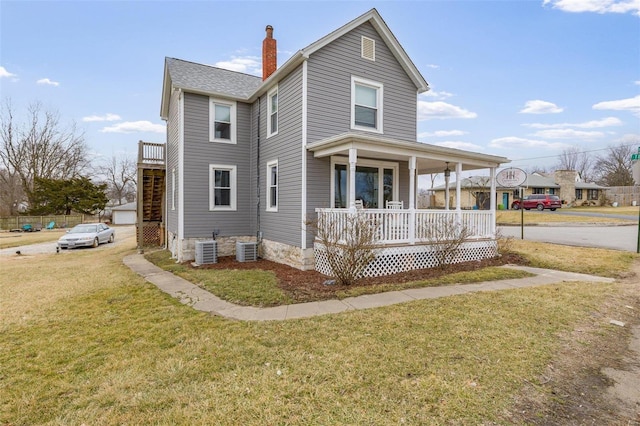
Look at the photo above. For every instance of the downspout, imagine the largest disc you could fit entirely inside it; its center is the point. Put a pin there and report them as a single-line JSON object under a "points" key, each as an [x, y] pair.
{"points": [[258, 231]]}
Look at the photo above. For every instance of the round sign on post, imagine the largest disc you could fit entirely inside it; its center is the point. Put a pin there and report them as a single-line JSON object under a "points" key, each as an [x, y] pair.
{"points": [[511, 177]]}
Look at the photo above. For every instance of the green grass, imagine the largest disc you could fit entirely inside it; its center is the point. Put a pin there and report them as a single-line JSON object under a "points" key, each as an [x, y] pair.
{"points": [[15, 239], [602, 262], [468, 277], [243, 287], [534, 217], [128, 354], [84, 340]]}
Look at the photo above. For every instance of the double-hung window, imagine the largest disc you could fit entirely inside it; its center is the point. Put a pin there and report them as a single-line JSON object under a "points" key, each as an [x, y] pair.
{"points": [[222, 121], [366, 105], [272, 186], [222, 187], [592, 194], [272, 110]]}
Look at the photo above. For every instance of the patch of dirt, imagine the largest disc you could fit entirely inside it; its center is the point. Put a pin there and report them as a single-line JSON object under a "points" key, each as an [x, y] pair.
{"points": [[595, 376], [305, 286]]}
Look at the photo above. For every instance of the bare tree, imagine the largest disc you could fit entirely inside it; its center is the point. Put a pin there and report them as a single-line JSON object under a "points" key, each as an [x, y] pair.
{"points": [[447, 235], [119, 173], [350, 243], [574, 159], [615, 167], [40, 147], [11, 193]]}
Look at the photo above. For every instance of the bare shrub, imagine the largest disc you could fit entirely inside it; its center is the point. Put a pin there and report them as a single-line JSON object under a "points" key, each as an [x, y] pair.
{"points": [[350, 242], [505, 243], [447, 235]]}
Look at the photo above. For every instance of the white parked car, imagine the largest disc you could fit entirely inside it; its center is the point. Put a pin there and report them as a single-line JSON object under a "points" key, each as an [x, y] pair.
{"points": [[87, 235]]}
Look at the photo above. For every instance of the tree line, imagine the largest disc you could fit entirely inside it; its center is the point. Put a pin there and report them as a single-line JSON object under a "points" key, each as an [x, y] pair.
{"points": [[46, 167]]}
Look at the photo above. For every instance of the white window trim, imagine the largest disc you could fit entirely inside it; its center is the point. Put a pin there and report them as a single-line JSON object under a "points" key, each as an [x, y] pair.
{"points": [[212, 117], [379, 88], [273, 91], [173, 189], [381, 165], [232, 183], [270, 164]]}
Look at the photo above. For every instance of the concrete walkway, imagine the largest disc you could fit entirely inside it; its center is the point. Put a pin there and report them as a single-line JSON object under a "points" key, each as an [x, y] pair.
{"points": [[200, 299]]}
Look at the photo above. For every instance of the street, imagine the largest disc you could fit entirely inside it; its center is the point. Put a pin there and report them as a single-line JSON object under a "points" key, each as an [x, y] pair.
{"points": [[617, 237]]}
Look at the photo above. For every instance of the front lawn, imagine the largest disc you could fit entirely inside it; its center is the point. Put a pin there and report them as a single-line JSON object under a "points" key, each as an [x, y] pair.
{"points": [[84, 340]]}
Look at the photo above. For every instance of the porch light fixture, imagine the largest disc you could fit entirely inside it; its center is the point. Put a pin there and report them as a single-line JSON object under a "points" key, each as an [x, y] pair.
{"points": [[447, 172]]}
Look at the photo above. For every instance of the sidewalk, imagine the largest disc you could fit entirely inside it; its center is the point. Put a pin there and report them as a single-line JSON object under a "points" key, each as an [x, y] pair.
{"points": [[200, 299]]}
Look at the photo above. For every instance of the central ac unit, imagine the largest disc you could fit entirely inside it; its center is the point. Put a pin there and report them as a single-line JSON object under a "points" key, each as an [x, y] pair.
{"points": [[246, 252], [206, 252]]}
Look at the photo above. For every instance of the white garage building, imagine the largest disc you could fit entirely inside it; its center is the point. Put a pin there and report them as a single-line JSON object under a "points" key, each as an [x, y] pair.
{"points": [[124, 214]]}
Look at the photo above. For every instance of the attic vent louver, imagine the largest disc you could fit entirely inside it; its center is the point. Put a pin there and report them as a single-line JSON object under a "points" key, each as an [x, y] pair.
{"points": [[368, 48]]}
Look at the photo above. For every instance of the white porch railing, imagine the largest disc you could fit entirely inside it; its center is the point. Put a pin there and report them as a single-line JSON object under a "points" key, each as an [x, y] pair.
{"points": [[411, 226]]}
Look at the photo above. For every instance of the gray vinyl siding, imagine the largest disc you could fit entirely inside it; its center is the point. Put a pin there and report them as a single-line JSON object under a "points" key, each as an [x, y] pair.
{"points": [[329, 87], [285, 225], [318, 188], [173, 141], [199, 153]]}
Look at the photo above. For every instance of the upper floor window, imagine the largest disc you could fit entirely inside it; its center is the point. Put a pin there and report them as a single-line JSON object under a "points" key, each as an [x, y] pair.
{"points": [[272, 107], [222, 121], [222, 187], [272, 186], [366, 105]]}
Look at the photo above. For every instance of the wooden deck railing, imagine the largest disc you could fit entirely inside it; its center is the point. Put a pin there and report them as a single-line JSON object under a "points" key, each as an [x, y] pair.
{"points": [[151, 154]]}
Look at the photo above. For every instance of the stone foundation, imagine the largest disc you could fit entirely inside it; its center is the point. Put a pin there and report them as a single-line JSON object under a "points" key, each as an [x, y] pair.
{"points": [[288, 255]]}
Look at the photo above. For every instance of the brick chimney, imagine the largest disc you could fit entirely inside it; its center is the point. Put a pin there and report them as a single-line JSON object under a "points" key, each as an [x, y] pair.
{"points": [[269, 54]]}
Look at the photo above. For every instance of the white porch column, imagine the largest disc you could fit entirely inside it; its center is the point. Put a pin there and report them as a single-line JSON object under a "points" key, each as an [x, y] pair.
{"points": [[412, 200], [446, 187], [493, 201], [458, 191], [353, 159]]}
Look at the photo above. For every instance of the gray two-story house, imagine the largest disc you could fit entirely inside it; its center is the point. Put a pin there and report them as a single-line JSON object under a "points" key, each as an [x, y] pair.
{"points": [[334, 128]]}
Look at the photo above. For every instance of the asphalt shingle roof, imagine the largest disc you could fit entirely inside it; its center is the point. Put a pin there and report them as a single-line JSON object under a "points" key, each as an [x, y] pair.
{"points": [[208, 79]]}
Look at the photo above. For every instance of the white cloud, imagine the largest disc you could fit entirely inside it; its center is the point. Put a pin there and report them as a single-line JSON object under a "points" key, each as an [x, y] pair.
{"points": [[48, 82], [596, 6], [246, 64], [442, 133], [107, 117], [135, 127], [629, 104], [637, 82], [6, 74], [460, 145], [593, 124], [433, 66], [567, 134], [520, 143], [540, 107], [442, 110], [438, 95]]}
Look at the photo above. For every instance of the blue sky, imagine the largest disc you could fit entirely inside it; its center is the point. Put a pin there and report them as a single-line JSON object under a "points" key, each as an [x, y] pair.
{"points": [[520, 79]]}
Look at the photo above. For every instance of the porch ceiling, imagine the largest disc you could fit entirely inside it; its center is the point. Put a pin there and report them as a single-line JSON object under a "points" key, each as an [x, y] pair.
{"points": [[429, 158]]}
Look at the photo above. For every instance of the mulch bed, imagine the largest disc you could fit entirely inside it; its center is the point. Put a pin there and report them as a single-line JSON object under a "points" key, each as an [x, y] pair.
{"points": [[311, 285]]}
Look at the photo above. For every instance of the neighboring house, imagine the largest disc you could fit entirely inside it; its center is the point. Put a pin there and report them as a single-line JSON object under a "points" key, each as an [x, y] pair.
{"points": [[567, 184], [124, 214], [257, 159]]}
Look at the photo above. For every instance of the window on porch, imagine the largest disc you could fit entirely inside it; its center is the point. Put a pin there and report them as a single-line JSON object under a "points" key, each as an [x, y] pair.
{"points": [[369, 180]]}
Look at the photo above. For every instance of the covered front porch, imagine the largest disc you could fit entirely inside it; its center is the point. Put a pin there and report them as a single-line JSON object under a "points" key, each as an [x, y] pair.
{"points": [[368, 180]]}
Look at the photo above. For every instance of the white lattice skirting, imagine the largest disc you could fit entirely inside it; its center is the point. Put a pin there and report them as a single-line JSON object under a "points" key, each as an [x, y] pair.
{"points": [[391, 260]]}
